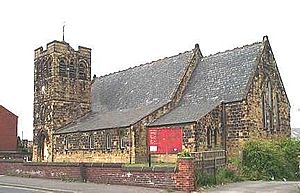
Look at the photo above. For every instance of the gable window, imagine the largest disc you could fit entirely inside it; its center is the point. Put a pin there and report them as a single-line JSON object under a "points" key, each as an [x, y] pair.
{"points": [[276, 114], [108, 141], [62, 68], [267, 106]]}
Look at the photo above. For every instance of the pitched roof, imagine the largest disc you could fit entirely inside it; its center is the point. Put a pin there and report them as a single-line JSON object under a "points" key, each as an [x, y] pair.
{"points": [[123, 98], [220, 77], [2, 108]]}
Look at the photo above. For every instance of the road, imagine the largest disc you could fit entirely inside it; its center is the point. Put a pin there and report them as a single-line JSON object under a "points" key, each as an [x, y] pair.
{"points": [[9, 184]]}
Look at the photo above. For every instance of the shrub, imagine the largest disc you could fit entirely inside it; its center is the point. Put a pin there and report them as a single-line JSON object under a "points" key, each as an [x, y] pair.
{"points": [[184, 153], [204, 179], [271, 159], [226, 175], [223, 176]]}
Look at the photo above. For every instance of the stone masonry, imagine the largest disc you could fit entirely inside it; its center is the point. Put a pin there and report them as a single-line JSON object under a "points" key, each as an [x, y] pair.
{"points": [[63, 90], [62, 82]]}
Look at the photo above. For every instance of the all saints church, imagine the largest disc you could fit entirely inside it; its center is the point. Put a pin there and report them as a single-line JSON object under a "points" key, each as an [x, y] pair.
{"points": [[219, 101]]}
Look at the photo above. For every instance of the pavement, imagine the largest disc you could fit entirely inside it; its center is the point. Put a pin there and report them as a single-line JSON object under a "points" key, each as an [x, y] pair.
{"points": [[257, 187], [10, 184]]}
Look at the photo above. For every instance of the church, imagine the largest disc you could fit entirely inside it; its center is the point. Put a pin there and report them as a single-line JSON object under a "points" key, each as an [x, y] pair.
{"points": [[218, 102]]}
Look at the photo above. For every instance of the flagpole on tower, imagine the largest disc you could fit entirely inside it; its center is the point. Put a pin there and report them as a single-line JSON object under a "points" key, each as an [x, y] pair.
{"points": [[64, 31]]}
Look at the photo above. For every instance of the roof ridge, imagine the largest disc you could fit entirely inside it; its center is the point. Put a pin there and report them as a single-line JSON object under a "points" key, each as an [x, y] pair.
{"points": [[236, 48], [144, 64]]}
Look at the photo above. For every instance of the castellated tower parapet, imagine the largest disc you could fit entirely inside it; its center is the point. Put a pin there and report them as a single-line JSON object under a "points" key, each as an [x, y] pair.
{"points": [[62, 92]]}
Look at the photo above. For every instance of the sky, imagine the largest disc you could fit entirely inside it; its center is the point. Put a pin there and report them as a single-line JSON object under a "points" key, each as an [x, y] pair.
{"points": [[127, 33]]}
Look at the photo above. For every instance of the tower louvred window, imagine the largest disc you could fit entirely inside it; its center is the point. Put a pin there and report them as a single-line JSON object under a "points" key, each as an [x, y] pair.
{"points": [[82, 71], [62, 68], [49, 67], [72, 70]]}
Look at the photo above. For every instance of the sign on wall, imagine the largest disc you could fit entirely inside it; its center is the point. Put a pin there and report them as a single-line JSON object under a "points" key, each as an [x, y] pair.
{"points": [[165, 140]]}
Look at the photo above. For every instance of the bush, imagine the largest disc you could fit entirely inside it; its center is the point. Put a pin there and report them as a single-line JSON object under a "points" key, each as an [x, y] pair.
{"points": [[223, 176], [226, 175], [271, 159], [204, 179], [184, 153]]}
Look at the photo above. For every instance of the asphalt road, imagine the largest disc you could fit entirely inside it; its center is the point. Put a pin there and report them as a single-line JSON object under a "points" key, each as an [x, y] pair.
{"points": [[9, 184], [9, 189]]}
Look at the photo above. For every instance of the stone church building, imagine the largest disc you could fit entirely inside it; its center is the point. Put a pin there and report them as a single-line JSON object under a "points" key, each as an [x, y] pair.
{"points": [[219, 101]]}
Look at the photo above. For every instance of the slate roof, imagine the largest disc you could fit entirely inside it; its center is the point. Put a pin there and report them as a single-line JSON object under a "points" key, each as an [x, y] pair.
{"points": [[220, 77], [123, 98]]}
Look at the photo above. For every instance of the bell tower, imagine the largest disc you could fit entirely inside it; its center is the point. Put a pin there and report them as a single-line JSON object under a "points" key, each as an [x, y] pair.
{"points": [[62, 92]]}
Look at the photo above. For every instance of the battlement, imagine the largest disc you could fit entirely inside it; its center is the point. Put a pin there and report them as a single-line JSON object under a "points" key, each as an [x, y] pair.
{"points": [[61, 47]]}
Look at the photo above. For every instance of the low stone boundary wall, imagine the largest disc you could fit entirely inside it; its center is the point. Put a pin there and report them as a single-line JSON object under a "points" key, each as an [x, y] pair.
{"points": [[176, 178]]}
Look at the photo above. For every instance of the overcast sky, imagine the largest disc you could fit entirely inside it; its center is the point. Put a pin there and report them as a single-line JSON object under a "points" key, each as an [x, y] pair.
{"points": [[128, 33]]}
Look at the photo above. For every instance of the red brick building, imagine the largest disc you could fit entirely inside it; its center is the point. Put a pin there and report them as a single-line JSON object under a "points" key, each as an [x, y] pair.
{"points": [[8, 130]]}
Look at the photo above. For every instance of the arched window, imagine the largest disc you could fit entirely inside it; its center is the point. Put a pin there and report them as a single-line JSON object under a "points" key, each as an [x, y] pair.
{"points": [[208, 137], [62, 68], [49, 66], [37, 75], [82, 71], [72, 70], [267, 106], [215, 137], [66, 144], [122, 142], [276, 113], [108, 141], [91, 141], [44, 68]]}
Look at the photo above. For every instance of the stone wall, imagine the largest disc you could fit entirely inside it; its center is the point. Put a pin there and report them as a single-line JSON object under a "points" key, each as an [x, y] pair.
{"points": [[180, 178], [245, 119], [62, 90], [136, 135], [140, 128], [92, 146], [209, 132]]}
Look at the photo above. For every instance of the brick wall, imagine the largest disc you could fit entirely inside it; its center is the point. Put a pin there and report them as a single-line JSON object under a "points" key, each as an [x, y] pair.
{"points": [[185, 179], [8, 130], [180, 178]]}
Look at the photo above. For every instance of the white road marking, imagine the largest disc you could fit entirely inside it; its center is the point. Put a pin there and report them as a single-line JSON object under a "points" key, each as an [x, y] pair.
{"points": [[23, 188], [36, 189]]}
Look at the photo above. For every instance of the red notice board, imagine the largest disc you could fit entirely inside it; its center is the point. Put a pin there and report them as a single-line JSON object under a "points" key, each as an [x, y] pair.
{"points": [[164, 140]]}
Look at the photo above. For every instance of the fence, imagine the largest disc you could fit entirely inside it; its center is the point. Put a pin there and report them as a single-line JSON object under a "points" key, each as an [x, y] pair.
{"points": [[209, 161]]}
